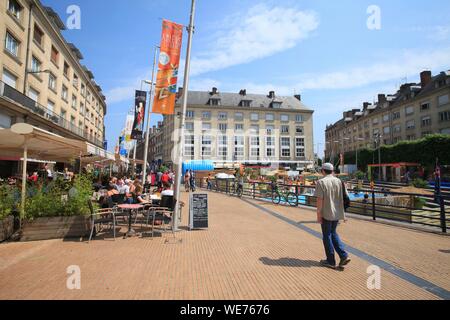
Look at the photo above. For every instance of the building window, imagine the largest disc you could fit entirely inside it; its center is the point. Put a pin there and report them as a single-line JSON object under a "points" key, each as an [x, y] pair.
{"points": [[411, 137], [222, 143], [299, 130], [206, 126], [190, 114], [254, 117], [206, 115], [15, 8], [238, 147], [189, 149], [12, 45], [254, 129], [238, 116], [223, 127], [270, 147], [270, 117], [38, 35], [284, 129], [426, 121], [206, 146], [386, 118], [285, 147], [9, 78], [239, 127], [189, 126], [270, 130], [375, 121], [64, 93], [299, 118], [33, 94], [50, 107], [276, 105], [223, 116], [425, 106], [35, 65], [397, 128], [387, 130], [75, 81], [214, 102], [246, 103], [409, 110], [284, 118], [63, 114], [444, 116], [74, 102], [66, 69], [443, 100], [254, 147], [54, 55], [426, 133], [83, 90], [410, 125], [396, 115], [52, 81]]}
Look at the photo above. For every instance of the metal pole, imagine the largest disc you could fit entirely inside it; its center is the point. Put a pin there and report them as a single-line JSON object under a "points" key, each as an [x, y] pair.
{"points": [[24, 182], [147, 136], [183, 116], [379, 156]]}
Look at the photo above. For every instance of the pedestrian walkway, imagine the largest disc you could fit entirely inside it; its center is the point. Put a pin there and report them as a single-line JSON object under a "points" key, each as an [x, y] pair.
{"points": [[253, 250]]}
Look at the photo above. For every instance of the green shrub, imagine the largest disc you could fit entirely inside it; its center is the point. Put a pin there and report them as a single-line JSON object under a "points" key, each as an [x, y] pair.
{"points": [[419, 183], [419, 203], [8, 202]]}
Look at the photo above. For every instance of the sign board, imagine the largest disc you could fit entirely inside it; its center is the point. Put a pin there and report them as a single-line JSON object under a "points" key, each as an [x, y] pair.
{"points": [[198, 211]]}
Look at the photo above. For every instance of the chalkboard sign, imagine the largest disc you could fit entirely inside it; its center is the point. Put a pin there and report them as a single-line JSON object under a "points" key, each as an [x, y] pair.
{"points": [[198, 207]]}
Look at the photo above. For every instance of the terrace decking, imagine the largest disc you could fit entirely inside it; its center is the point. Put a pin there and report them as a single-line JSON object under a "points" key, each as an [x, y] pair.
{"points": [[253, 250]]}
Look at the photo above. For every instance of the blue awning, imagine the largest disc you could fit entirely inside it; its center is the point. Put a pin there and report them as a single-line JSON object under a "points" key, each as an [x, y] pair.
{"points": [[198, 165]]}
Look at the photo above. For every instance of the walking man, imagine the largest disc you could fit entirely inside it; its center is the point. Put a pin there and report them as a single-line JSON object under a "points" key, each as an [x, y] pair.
{"points": [[330, 210]]}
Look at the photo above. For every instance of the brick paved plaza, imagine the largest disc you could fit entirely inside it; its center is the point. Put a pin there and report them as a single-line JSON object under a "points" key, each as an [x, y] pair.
{"points": [[253, 250]]}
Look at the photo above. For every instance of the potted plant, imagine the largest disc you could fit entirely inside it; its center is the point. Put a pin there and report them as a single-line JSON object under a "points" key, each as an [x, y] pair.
{"points": [[58, 210], [7, 208]]}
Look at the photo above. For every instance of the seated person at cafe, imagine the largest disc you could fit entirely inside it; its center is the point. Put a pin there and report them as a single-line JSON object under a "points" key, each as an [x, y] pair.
{"points": [[106, 200], [139, 199], [167, 190]]}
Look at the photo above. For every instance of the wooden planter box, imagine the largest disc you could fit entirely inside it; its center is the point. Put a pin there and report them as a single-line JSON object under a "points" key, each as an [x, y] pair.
{"points": [[6, 228], [56, 228]]}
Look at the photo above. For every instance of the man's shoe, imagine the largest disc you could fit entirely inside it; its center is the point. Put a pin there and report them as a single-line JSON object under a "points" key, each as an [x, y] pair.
{"points": [[344, 262], [326, 264]]}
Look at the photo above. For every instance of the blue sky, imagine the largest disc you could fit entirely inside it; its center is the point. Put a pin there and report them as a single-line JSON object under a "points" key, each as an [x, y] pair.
{"points": [[322, 49]]}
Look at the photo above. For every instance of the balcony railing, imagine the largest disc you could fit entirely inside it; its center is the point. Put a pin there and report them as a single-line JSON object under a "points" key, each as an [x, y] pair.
{"points": [[31, 105]]}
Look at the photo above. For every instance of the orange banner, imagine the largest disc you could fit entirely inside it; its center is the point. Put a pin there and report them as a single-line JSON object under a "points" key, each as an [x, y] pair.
{"points": [[169, 64]]}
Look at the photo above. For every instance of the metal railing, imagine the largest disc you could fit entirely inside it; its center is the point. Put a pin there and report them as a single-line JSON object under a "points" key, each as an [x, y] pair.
{"points": [[407, 208], [10, 93]]}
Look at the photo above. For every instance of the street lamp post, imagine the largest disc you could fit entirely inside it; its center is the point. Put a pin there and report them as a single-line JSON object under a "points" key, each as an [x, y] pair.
{"points": [[183, 116], [357, 149], [147, 134]]}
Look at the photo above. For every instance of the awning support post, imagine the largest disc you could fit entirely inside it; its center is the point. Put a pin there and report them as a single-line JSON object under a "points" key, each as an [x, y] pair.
{"points": [[24, 183]]}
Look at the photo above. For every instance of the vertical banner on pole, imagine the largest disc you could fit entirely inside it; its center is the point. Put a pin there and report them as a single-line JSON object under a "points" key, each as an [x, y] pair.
{"points": [[169, 64], [139, 115]]}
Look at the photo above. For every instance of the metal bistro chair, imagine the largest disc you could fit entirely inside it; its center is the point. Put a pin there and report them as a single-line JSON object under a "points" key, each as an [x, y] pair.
{"points": [[101, 217], [164, 213]]}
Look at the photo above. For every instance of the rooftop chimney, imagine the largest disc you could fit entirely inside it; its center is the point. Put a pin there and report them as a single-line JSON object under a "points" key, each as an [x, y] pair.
{"points": [[382, 98], [298, 97], [425, 78], [272, 94], [214, 91], [243, 92]]}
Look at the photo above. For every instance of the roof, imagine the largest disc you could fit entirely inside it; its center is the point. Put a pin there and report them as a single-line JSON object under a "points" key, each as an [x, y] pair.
{"points": [[234, 100], [55, 18]]}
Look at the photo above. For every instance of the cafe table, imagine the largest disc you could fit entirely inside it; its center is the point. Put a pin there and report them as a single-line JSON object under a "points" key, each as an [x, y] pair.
{"points": [[130, 208]]}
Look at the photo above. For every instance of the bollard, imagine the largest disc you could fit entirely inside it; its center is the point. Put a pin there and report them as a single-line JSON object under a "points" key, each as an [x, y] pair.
{"points": [[374, 212], [254, 190], [443, 216]]}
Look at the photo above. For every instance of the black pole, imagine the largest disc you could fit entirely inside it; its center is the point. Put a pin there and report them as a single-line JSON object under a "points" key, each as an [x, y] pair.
{"points": [[374, 212], [443, 215]]}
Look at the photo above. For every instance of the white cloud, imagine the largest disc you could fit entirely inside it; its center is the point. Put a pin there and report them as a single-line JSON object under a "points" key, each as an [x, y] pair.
{"points": [[260, 32]]}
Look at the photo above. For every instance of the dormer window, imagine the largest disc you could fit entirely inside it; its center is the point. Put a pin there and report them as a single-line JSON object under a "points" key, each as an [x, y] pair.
{"points": [[275, 105], [245, 103], [214, 102]]}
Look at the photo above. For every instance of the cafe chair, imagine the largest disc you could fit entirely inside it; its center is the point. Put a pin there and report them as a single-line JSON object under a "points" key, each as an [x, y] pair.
{"points": [[101, 217], [164, 213]]}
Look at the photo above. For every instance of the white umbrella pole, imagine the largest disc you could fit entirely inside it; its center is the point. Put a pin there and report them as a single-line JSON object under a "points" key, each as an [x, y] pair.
{"points": [[183, 118], [24, 182]]}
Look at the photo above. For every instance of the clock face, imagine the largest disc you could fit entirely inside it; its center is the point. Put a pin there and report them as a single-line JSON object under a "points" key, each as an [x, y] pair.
{"points": [[164, 58]]}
